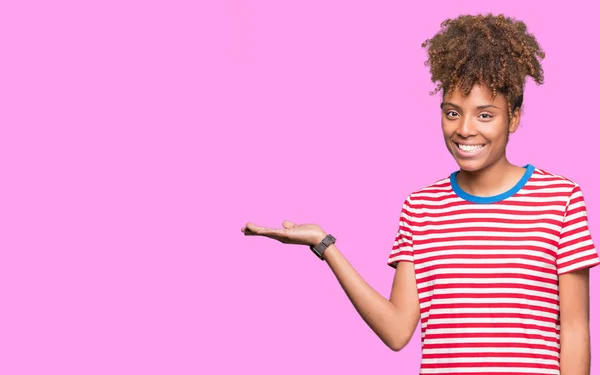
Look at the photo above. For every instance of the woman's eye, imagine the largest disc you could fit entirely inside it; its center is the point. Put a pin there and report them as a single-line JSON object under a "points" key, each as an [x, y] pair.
{"points": [[486, 116], [451, 114]]}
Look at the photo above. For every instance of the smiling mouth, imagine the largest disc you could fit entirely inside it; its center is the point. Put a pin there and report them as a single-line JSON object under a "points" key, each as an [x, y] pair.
{"points": [[469, 148]]}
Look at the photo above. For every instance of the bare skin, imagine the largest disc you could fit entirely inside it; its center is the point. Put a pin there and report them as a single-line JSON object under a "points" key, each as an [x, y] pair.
{"points": [[475, 120], [393, 320]]}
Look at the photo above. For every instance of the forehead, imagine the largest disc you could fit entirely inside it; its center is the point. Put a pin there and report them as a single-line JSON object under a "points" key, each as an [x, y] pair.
{"points": [[479, 95]]}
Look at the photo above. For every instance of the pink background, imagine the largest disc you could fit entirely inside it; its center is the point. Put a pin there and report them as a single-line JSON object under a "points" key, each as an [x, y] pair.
{"points": [[138, 137]]}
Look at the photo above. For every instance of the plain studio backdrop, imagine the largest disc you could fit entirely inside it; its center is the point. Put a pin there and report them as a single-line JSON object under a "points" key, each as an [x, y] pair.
{"points": [[138, 137]]}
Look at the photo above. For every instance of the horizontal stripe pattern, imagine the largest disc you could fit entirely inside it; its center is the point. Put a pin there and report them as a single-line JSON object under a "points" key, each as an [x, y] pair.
{"points": [[487, 273]]}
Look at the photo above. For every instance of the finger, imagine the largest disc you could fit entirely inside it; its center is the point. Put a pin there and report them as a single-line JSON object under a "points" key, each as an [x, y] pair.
{"points": [[273, 233], [288, 224], [253, 227], [248, 232], [264, 231]]}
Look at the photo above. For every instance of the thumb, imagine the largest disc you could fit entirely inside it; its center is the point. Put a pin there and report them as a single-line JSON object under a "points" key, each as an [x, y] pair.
{"points": [[288, 224]]}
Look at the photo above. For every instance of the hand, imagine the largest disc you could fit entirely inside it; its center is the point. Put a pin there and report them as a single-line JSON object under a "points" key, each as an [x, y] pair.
{"points": [[300, 234]]}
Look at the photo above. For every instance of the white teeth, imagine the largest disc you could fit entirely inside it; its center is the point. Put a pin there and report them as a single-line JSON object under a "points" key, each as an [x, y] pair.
{"points": [[470, 148]]}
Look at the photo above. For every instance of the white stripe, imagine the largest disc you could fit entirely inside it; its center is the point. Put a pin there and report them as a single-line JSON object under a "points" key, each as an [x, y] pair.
{"points": [[491, 310], [485, 291], [515, 224], [500, 261], [503, 330], [465, 243], [473, 252], [490, 321], [441, 195], [479, 370], [538, 177], [401, 258], [538, 204], [483, 215], [576, 215], [402, 246], [477, 359], [465, 232], [492, 301], [564, 191], [491, 280], [500, 340], [575, 266], [488, 271], [578, 225], [577, 255], [477, 350]]}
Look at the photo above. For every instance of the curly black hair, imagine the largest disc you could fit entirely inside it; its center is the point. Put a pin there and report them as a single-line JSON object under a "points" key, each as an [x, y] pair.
{"points": [[494, 51]]}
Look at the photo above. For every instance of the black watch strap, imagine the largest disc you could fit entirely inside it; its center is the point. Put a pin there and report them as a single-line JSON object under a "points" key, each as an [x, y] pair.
{"points": [[324, 244]]}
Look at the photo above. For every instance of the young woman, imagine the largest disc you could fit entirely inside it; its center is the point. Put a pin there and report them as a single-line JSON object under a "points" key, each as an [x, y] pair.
{"points": [[483, 255]]}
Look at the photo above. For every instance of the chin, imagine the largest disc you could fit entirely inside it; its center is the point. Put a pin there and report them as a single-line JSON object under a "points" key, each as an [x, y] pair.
{"points": [[470, 165]]}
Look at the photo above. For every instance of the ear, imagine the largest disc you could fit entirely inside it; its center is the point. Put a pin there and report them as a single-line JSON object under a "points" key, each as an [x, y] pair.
{"points": [[515, 120]]}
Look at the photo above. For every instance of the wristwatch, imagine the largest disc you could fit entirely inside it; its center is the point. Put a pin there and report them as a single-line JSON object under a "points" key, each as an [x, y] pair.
{"points": [[324, 244]]}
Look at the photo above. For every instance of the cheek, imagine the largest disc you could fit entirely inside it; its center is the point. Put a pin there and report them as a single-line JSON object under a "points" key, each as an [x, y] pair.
{"points": [[495, 132], [447, 130], [497, 141]]}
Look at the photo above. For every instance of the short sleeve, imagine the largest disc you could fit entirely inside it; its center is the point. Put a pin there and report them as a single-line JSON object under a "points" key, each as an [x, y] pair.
{"points": [[575, 247], [402, 250]]}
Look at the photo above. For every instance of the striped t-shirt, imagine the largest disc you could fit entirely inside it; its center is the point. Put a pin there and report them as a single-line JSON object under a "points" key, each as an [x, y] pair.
{"points": [[487, 271]]}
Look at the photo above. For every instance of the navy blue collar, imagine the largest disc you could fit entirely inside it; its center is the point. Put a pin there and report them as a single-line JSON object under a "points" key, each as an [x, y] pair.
{"points": [[496, 198]]}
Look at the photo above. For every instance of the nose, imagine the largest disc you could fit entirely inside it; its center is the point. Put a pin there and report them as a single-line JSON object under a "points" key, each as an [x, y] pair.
{"points": [[466, 128]]}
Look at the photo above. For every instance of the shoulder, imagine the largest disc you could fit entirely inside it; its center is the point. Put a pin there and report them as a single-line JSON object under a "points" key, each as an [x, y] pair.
{"points": [[435, 190], [544, 178]]}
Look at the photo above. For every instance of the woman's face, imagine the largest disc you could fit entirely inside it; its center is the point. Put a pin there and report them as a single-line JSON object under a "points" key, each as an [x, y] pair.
{"points": [[476, 128]]}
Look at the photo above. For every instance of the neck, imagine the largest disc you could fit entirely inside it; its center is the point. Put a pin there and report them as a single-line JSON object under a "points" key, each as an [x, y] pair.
{"points": [[491, 180]]}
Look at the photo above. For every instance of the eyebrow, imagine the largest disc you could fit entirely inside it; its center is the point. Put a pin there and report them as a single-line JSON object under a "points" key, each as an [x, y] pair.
{"points": [[458, 107]]}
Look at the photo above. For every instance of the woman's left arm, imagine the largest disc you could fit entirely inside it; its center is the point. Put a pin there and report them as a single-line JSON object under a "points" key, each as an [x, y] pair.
{"points": [[575, 356]]}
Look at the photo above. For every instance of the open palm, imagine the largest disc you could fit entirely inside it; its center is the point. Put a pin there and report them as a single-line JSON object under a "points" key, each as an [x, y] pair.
{"points": [[299, 234]]}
